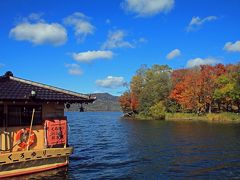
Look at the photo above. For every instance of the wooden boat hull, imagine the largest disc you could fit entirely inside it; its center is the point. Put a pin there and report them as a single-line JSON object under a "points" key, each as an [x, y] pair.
{"points": [[27, 162]]}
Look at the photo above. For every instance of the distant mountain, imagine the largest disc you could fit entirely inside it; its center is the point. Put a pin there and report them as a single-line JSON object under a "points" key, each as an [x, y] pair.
{"points": [[104, 102]]}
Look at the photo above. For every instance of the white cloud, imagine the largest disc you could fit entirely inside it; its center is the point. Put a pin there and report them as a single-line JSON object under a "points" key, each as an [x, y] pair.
{"points": [[111, 82], [34, 17], [144, 8], [197, 22], [173, 54], [200, 61], [74, 69], [92, 55], [116, 40], [232, 47], [81, 24], [39, 32]]}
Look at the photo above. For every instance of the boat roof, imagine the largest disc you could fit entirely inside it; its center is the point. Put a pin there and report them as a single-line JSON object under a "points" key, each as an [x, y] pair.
{"points": [[18, 89]]}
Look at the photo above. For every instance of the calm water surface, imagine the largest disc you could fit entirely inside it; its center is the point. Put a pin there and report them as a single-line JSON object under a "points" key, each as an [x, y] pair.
{"points": [[107, 147]]}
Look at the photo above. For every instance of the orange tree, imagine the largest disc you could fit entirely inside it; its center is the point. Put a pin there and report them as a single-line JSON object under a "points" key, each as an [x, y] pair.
{"points": [[194, 91]]}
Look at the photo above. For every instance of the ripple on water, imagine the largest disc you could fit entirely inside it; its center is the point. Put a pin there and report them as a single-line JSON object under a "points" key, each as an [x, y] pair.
{"points": [[107, 147]]}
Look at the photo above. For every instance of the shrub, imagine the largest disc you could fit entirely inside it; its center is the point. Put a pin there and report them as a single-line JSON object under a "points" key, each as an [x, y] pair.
{"points": [[158, 111], [172, 106]]}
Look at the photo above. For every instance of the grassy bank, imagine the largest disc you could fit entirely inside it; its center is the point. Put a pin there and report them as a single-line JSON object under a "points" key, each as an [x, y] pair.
{"points": [[213, 117]]}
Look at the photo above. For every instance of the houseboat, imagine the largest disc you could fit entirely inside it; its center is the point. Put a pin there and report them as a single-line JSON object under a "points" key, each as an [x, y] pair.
{"points": [[33, 128]]}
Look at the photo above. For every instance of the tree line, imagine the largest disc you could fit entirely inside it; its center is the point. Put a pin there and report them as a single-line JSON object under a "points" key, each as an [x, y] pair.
{"points": [[203, 89]]}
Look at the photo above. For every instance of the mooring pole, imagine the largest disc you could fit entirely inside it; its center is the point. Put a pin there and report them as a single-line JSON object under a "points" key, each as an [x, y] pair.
{"points": [[30, 132]]}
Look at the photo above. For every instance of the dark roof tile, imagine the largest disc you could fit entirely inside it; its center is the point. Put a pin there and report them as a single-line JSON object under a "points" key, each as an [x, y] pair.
{"points": [[16, 89]]}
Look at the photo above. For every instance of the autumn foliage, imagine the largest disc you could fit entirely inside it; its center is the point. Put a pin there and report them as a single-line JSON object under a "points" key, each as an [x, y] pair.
{"points": [[200, 90], [194, 89]]}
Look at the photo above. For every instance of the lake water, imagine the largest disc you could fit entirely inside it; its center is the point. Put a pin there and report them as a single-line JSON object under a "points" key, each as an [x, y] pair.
{"points": [[107, 147]]}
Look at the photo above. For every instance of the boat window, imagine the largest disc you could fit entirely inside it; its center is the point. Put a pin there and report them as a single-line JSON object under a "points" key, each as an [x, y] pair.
{"points": [[1, 115], [22, 115]]}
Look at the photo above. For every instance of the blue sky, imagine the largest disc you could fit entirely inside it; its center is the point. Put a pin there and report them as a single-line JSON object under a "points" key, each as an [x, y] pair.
{"points": [[96, 46]]}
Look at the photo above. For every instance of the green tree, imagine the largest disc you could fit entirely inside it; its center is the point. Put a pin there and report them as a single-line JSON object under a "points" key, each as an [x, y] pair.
{"points": [[156, 87], [227, 94], [224, 93], [172, 106]]}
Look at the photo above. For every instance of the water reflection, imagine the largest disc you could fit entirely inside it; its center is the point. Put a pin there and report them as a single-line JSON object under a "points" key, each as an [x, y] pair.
{"points": [[60, 173], [183, 149], [107, 147]]}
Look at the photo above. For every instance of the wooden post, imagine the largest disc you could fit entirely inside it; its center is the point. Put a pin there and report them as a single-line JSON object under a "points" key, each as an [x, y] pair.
{"points": [[5, 124], [31, 127]]}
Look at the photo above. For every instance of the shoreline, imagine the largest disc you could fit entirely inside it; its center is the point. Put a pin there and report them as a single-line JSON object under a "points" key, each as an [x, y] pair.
{"points": [[191, 117]]}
